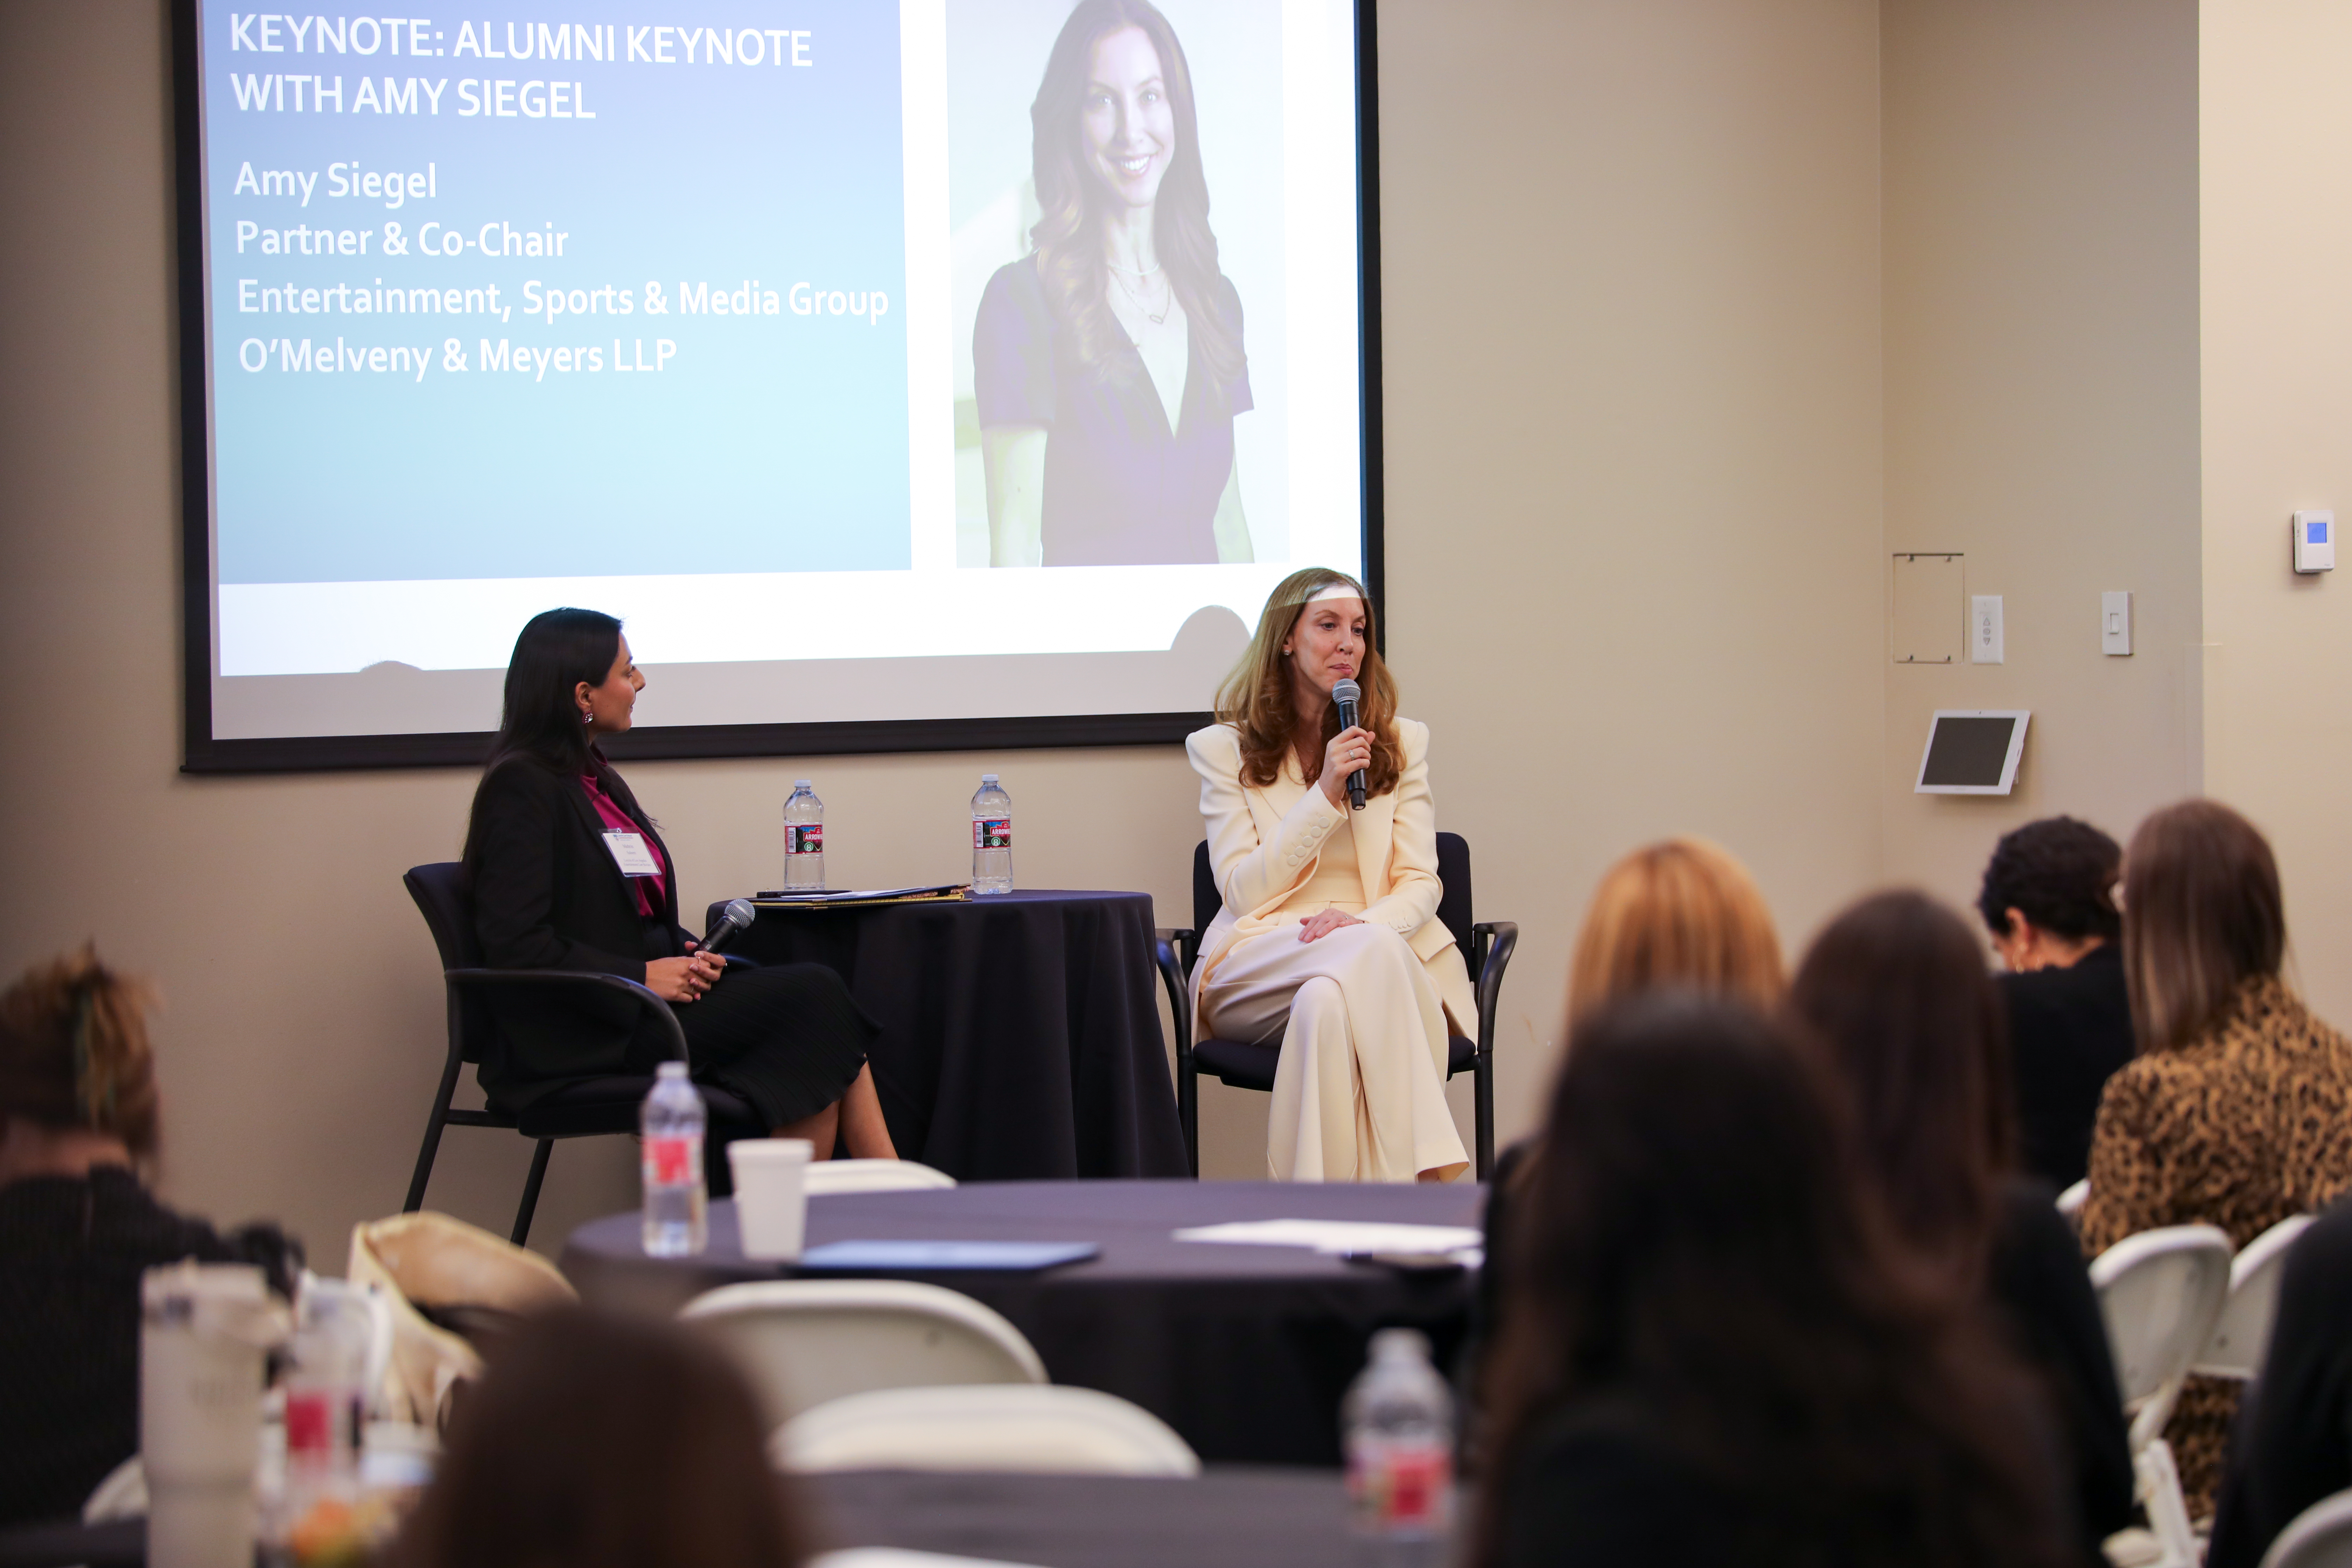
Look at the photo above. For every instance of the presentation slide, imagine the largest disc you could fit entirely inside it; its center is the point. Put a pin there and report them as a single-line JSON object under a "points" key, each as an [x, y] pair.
{"points": [[952, 359]]}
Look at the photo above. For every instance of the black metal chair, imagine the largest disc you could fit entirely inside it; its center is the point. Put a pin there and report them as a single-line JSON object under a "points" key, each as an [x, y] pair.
{"points": [[584, 1108], [1486, 947]]}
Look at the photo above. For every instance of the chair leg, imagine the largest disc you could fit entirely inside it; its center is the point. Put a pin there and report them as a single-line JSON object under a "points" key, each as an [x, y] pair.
{"points": [[1188, 1108], [2167, 1510], [530, 1191], [432, 1126], [1483, 1085]]}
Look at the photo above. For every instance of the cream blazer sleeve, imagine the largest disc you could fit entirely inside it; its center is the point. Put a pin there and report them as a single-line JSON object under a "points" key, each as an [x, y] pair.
{"points": [[1413, 890], [1254, 874]]}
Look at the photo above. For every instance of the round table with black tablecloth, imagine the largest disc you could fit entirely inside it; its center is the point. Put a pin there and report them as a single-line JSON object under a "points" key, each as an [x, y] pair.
{"points": [[1245, 1350], [1020, 1032], [1233, 1518]]}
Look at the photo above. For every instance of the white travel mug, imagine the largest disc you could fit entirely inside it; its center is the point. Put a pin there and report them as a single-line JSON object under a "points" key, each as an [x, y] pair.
{"points": [[205, 1332], [770, 1193]]}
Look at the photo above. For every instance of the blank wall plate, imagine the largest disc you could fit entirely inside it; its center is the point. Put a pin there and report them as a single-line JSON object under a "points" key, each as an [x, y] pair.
{"points": [[2115, 624], [1984, 628], [1928, 615]]}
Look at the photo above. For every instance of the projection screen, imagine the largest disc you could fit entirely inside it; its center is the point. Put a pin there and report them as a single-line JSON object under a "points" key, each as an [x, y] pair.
{"points": [[944, 374]]}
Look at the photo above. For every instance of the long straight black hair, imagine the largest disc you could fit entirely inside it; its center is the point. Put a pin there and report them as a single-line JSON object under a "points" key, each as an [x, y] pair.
{"points": [[1695, 1235], [539, 721]]}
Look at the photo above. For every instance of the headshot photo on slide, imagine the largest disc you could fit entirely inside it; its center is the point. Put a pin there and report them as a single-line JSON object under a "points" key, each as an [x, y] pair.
{"points": [[1098, 414]]}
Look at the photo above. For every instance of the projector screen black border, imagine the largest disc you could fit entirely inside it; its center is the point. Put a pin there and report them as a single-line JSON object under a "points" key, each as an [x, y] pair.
{"points": [[203, 753]]}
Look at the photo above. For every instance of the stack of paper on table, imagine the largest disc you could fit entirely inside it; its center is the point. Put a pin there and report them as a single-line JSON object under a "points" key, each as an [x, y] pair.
{"points": [[1341, 1236]]}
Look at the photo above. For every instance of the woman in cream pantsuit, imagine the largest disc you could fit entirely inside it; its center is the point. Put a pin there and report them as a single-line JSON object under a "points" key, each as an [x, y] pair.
{"points": [[1329, 941]]}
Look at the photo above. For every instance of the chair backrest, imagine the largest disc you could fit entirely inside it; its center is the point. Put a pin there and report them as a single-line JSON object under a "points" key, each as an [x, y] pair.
{"points": [[831, 1178], [2243, 1332], [2161, 1292], [2318, 1537], [1453, 903], [806, 1341], [2070, 1201], [439, 890], [1043, 1429]]}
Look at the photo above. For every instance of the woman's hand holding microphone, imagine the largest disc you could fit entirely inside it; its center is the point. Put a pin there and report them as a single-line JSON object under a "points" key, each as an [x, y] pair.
{"points": [[1351, 750], [684, 979]]}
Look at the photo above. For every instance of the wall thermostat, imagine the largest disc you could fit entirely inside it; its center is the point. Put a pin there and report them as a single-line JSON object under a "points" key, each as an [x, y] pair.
{"points": [[2314, 542]]}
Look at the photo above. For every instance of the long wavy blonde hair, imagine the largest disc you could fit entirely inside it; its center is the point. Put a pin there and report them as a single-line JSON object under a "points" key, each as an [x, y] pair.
{"points": [[1257, 699]]}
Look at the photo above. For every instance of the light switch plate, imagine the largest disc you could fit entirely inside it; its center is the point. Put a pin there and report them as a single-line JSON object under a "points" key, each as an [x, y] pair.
{"points": [[1984, 628], [2314, 542], [2115, 624]]}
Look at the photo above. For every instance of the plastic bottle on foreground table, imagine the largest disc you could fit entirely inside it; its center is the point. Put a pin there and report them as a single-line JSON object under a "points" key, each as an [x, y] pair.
{"points": [[804, 840], [992, 838], [1399, 1425], [677, 1220]]}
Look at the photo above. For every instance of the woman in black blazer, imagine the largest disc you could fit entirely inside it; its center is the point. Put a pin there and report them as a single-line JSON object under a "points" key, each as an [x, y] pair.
{"points": [[565, 871]]}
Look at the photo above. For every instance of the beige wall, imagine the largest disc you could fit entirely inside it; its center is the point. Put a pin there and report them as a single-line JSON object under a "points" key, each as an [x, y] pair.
{"points": [[1632, 379], [2042, 398], [2277, 326]]}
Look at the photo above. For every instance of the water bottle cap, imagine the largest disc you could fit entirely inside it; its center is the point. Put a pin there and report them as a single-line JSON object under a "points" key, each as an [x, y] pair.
{"points": [[1400, 1344], [670, 1069], [800, 783], [988, 778]]}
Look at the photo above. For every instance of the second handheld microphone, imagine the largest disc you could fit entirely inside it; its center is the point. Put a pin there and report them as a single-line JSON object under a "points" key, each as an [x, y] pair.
{"points": [[1347, 694]]}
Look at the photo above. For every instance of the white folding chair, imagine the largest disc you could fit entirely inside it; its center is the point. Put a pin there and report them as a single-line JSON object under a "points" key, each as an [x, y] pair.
{"points": [[805, 1342], [2070, 1201], [123, 1495], [2244, 1331], [828, 1178], [1064, 1431], [2318, 1537], [2161, 1292]]}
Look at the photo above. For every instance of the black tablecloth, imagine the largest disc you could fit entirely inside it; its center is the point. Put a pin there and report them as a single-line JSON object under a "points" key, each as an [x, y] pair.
{"points": [[1020, 1032], [1245, 1350], [1232, 1518]]}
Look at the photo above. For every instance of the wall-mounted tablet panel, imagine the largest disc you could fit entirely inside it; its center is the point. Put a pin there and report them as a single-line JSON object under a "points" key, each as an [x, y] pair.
{"points": [[1972, 751]]}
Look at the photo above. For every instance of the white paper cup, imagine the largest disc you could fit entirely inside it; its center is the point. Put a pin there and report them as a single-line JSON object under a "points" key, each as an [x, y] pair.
{"points": [[770, 1193]]}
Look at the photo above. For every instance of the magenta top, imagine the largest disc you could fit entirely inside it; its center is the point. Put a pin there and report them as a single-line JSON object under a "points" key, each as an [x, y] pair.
{"points": [[653, 892]]}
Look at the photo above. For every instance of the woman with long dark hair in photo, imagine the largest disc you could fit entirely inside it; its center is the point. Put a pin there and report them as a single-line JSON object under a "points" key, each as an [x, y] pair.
{"points": [[1330, 942], [565, 871], [1894, 996], [1107, 363], [1712, 1352]]}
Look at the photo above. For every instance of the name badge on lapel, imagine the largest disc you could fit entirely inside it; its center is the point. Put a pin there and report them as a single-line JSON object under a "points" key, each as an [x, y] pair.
{"points": [[631, 855]]}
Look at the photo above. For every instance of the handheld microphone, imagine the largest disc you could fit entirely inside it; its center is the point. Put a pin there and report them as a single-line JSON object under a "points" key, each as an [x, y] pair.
{"points": [[1347, 694], [737, 916]]}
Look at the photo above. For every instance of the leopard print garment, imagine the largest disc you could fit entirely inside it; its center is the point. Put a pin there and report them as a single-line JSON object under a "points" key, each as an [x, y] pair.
{"points": [[2248, 1124]]}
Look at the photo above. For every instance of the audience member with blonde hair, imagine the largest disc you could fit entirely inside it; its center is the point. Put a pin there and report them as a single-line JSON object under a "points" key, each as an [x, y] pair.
{"points": [[2237, 1111], [1680, 913], [78, 1227]]}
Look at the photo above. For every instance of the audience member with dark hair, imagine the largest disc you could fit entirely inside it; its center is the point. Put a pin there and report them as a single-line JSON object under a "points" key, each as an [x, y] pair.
{"points": [[2292, 1443], [78, 1227], [1713, 1352], [1895, 996], [2238, 1111], [2048, 898], [599, 1442]]}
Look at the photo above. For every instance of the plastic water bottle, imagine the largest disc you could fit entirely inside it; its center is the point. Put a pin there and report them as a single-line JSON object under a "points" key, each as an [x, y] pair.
{"points": [[992, 838], [804, 840], [677, 1221], [1400, 1438]]}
